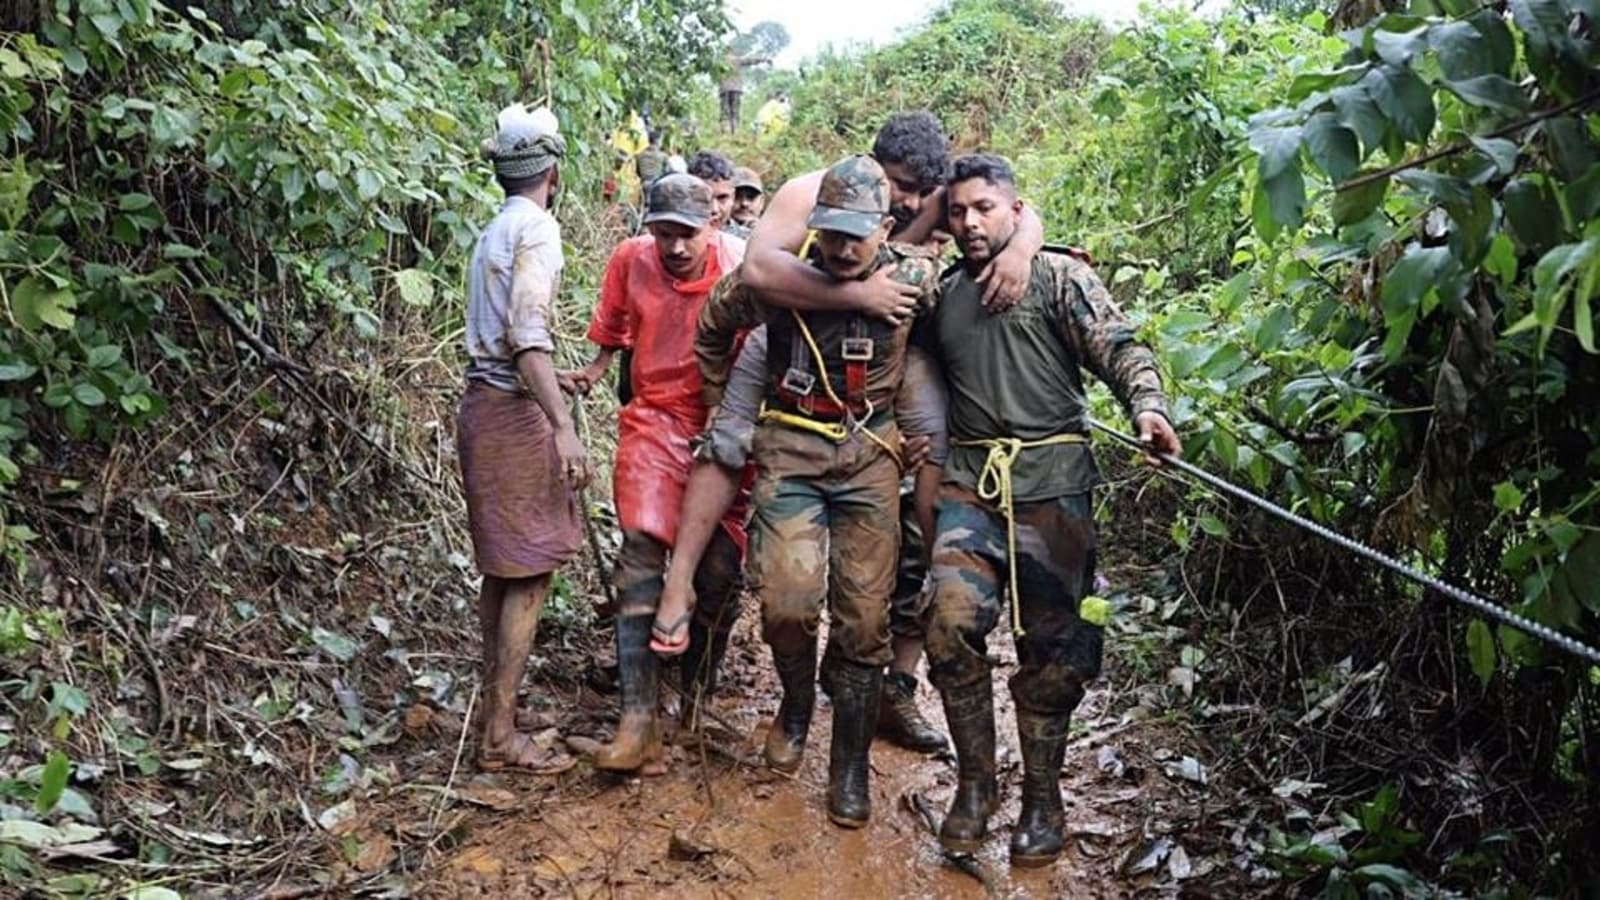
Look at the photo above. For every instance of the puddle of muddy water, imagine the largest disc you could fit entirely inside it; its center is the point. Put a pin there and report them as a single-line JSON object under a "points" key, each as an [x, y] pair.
{"points": [[747, 832]]}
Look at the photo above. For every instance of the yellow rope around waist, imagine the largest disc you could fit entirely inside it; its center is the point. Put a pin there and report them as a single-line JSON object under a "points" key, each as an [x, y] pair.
{"points": [[994, 485], [833, 431]]}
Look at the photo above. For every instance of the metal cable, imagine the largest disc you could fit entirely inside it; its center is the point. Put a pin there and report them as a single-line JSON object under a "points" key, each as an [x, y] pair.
{"points": [[1487, 607]]}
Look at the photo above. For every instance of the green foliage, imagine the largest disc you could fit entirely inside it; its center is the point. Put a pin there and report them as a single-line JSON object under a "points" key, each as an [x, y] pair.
{"points": [[284, 165]]}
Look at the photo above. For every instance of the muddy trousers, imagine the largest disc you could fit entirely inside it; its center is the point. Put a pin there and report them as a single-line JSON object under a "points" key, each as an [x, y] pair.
{"points": [[641, 565], [826, 529], [1058, 653]]}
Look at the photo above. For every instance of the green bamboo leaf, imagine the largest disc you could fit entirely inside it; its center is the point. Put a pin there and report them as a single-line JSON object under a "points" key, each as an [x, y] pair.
{"points": [[54, 781]]}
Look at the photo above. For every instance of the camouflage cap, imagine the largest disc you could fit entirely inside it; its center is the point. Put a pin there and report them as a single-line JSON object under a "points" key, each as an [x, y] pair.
{"points": [[679, 197], [853, 198], [746, 177]]}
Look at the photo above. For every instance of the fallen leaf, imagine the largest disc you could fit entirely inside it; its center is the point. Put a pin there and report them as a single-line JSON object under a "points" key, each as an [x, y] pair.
{"points": [[417, 718], [1294, 787], [1178, 865], [1146, 857], [1189, 769], [1109, 762], [339, 819], [496, 798], [683, 848], [376, 853], [1182, 677], [86, 850]]}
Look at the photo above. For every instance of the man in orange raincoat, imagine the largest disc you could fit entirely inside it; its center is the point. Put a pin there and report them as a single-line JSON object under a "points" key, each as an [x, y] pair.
{"points": [[650, 299]]}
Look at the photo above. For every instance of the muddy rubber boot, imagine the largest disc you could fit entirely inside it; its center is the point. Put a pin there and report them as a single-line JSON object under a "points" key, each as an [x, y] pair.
{"points": [[900, 721], [830, 664], [698, 672], [970, 711], [1037, 840], [786, 740], [638, 739], [855, 697]]}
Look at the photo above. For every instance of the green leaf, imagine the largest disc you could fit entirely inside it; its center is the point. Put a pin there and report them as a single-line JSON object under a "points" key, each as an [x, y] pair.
{"points": [[1393, 875], [340, 647], [1570, 147], [52, 783], [36, 304], [1356, 111], [1404, 99], [1286, 197], [1333, 147], [104, 356], [1501, 260], [1502, 48], [1461, 48], [1212, 525], [1354, 204], [415, 286], [1470, 225], [1501, 152], [88, 394], [1583, 319], [1495, 92], [368, 184], [17, 371], [1480, 651], [1397, 48], [1277, 147], [1436, 187], [1583, 196], [1529, 203], [135, 202], [292, 181], [1508, 497], [1412, 278]]}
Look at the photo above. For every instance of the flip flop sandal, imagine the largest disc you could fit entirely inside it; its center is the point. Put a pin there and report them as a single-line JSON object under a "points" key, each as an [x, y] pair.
{"points": [[499, 760], [661, 638]]}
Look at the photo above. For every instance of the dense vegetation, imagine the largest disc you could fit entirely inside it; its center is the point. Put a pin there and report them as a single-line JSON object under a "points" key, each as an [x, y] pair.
{"points": [[232, 238]]}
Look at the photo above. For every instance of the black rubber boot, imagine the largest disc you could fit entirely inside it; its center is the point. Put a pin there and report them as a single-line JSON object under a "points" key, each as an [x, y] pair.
{"points": [[786, 740], [856, 690], [970, 711], [1037, 840], [638, 739], [900, 721], [698, 672]]}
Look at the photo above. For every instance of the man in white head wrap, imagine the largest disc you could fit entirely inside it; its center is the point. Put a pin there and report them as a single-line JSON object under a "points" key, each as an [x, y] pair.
{"points": [[521, 461]]}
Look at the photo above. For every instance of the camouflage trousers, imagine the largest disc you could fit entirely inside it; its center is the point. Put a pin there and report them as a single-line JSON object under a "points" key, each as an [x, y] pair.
{"points": [[1058, 652], [642, 565], [826, 529]]}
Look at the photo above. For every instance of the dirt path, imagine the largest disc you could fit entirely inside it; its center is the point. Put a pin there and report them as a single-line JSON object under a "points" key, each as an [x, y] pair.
{"points": [[721, 825]]}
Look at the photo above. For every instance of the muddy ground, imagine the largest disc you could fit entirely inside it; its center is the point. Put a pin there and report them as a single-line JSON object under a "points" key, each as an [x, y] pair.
{"points": [[720, 825]]}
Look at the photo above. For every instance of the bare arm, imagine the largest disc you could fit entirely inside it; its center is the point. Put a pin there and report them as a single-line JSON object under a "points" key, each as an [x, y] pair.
{"points": [[925, 501], [533, 281], [772, 268]]}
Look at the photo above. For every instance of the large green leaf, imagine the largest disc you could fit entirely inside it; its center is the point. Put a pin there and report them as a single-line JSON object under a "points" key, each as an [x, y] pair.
{"points": [[36, 304], [1480, 650], [1471, 221], [1501, 152], [1570, 146], [1436, 187], [1462, 50], [1333, 147], [1404, 99], [1420, 273], [1531, 212], [1357, 112], [1500, 46], [1277, 147], [1495, 92], [1354, 204]]}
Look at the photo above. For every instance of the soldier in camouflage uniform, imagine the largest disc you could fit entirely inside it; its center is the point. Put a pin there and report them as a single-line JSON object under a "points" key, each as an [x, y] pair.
{"points": [[826, 523], [1015, 517]]}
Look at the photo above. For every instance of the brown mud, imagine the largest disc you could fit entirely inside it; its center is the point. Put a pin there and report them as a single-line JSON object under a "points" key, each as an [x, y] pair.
{"points": [[720, 825]]}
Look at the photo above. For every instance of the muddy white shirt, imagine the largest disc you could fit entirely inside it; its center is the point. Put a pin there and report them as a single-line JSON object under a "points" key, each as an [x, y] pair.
{"points": [[520, 247]]}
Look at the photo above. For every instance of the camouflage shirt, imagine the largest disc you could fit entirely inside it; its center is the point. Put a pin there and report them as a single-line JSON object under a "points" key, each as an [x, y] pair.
{"points": [[734, 307], [1017, 373]]}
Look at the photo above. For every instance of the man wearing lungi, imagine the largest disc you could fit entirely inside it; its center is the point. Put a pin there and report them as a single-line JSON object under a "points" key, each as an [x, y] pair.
{"points": [[521, 460]]}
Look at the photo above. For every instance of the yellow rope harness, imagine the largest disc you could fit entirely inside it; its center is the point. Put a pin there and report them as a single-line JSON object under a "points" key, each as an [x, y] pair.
{"points": [[994, 485], [837, 432]]}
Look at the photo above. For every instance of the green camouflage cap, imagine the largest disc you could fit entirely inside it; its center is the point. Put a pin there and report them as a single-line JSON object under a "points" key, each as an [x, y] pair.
{"points": [[853, 198], [679, 197], [746, 177]]}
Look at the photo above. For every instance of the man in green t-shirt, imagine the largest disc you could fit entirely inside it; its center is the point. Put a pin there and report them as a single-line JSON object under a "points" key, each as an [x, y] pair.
{"points": [[1015, 517]]}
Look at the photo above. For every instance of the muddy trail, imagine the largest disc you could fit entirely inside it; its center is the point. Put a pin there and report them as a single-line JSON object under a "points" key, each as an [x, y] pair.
{"points": [[719, 824]]}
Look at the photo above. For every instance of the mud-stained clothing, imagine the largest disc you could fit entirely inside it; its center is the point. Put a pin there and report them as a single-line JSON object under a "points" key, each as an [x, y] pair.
{"points": [[718, 580], [523, 517], [826, 523], [1016, 375], [644, 308], [826, 529], [1058, 652]]}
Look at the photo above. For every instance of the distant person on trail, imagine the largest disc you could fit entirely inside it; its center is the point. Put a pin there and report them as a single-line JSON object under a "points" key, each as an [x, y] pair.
{"points": [[827, 451], [772, 119], [749, 198], [731, 91], [1015, 519], [717, 171], [650, 299], [521, 461], [650, 164], [913, 151]]}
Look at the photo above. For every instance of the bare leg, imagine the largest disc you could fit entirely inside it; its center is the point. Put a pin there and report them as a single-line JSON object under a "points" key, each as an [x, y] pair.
{"points": [[518, 620], [490, 596], [706, 498]]}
